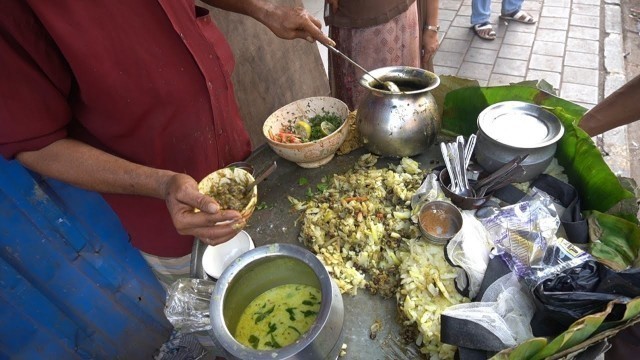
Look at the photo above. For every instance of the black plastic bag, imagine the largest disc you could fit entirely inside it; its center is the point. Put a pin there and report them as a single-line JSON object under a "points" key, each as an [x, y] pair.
{"points": [[579, 291]]}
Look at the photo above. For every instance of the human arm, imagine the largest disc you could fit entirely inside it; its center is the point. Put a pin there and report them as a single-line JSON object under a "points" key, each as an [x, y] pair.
{"points": [[284, 21], [620, 108], [429, 39], [84, 166]]}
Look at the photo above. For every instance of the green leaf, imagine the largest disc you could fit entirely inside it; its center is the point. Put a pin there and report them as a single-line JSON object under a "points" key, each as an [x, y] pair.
{"points": [[303, 181], [254, 341], [292, 315], [261, 206], [631, 311], [614, 241], [262, 315], [294, 329], [272, 327], [607, 256], [273, 343], [579, 331], [308, 313], [523, 351]]}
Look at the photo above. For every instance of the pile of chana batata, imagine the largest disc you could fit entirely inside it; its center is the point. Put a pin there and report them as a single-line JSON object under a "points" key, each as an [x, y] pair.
{"points": [[360, 227]]}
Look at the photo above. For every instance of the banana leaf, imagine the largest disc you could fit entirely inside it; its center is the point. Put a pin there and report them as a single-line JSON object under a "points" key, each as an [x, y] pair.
{"points": [[615, 242], [572, 339], [577, 333], [632, 310], [524, 351]]}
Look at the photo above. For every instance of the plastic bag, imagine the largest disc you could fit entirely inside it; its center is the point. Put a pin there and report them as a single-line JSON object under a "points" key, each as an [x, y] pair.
{"points": [[579, 291], [469, 250], [499, 321], [566, 202], [525, 236], [187, 306], [429, 190]]}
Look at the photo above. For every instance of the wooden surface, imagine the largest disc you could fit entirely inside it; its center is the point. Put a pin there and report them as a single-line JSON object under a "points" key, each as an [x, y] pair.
{"points": [[270, 72]]}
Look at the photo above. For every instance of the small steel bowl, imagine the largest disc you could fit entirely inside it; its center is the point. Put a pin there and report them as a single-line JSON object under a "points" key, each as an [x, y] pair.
{"points": [[439, 221], [463, 202]]}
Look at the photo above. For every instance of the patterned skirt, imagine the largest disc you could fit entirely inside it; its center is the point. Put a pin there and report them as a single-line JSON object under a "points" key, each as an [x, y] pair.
{"points": [[391, 44]]}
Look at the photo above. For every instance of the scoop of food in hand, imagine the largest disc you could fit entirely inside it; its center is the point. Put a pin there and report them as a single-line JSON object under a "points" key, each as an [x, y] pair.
{"points": [[228, 187]]}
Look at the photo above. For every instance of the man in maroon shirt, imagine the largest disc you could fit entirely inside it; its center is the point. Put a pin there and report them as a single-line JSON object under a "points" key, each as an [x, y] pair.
{"points": [[132, 99]]}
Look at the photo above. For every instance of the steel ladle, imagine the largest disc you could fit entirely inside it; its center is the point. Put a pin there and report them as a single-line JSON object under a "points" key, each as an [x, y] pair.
{"points": [[388, 84], [263, 175]]}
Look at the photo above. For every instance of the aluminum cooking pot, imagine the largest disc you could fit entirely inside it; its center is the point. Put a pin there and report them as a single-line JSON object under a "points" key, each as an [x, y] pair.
{"points": [[399, 124], [259, 270], [512, 128]]}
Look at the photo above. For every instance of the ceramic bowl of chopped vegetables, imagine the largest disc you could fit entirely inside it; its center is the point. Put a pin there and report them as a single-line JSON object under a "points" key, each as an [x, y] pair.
{"points": [[228, 187], [308, 131]]}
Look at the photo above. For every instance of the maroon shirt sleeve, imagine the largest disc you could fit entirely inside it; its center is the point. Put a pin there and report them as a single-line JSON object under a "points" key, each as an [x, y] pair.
{"points": [[34, 83]]}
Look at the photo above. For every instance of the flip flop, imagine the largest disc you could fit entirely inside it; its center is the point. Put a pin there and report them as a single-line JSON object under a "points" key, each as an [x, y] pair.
{"points": [[484, 31], [519, 16]]}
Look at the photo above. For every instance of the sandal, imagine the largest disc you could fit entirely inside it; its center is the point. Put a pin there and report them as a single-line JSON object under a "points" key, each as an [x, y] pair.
{"points": [[519, 16], [484, 31]]}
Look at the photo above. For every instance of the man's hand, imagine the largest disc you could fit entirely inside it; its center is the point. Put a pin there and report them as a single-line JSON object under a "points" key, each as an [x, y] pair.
{"points": [[291, 23], [284, 21], [211, 225], [93, 169]]}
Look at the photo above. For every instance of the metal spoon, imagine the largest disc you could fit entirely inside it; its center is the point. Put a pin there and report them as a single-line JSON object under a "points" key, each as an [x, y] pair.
{"points": [[447, 163], [463, 162], [388, 84], [468, 150], [455, 158], [263, 175]]}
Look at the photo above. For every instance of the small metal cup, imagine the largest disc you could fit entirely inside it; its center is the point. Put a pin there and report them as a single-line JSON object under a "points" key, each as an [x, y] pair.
{"points": [[439, 221]]}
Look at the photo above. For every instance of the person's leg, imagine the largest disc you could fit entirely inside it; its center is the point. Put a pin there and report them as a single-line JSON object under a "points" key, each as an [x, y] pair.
{"points": [[511, 6], [480, 11], [512, 10], [480, 15]]}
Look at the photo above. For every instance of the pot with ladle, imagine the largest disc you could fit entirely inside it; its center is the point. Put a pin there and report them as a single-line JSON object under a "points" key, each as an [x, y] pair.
{"points": [[399, 124]]}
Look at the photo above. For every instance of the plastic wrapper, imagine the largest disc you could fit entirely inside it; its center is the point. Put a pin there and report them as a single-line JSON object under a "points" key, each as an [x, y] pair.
{"points": [[525, 236], [499, 321], [469, 250], [187, 306], [429, 190]]}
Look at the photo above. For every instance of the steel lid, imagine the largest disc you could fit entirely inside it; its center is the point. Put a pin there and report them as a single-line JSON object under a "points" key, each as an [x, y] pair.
{"points": [[520, 124]]}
